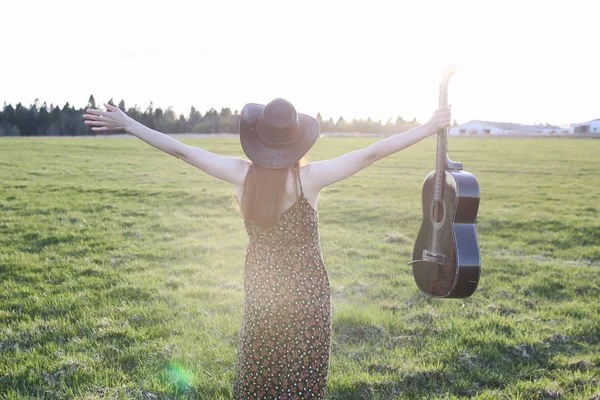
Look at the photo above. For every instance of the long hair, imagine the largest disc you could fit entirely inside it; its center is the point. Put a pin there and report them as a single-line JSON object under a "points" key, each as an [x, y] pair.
{"points": [[264, 193]]}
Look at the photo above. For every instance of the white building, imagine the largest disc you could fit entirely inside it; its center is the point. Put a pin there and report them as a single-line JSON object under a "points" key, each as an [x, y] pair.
{"points": [[592, 126], [476, 127]]}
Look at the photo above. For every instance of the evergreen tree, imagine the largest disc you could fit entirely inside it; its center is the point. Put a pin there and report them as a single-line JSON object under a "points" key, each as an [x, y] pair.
{"points": [[25, 124], [330, 125], [194, 118], [168, 122], [341, 125], [158, 114], [69, 119], [150, 108], [43, 121], [181, 124], [148, 117], [225, 112], [8, 114], [134, 113], [212, 117], [56, 119]]}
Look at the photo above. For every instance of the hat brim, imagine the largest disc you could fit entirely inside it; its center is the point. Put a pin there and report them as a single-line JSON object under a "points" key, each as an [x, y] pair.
{"points": [[269, 156]]}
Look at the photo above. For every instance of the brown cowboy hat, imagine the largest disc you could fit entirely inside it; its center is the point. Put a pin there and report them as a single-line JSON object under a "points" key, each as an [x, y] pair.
{"points": [[276, 136]]}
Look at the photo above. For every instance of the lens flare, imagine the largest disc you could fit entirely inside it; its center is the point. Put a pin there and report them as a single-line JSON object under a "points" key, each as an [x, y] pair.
{"points": [[180, 376]]}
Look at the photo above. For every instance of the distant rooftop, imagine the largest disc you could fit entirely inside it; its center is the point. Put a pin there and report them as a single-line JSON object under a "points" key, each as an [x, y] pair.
{"points": [[509, 126], [586, 122]]}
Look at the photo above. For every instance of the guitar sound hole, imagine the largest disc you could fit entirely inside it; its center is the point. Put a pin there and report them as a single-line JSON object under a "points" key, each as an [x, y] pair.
{"points": [[438, 211]]}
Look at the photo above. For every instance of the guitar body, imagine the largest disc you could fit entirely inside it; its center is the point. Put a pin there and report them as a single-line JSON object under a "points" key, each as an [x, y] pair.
{"points": [[446, 260]]}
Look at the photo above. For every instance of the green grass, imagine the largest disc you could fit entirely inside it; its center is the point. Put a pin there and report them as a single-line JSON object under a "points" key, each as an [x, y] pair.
{"points": [[121, 274]]}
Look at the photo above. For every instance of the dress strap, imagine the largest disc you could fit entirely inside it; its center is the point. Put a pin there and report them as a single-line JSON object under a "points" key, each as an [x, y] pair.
{"points": [[299, 181]]}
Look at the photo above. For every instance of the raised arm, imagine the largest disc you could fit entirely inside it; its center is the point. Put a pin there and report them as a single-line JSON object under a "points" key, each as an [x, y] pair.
{"points": [[229, 169], [327, 172]]}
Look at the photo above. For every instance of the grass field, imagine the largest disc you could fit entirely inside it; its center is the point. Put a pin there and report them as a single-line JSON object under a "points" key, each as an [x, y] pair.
{"points": [[121, 273]]}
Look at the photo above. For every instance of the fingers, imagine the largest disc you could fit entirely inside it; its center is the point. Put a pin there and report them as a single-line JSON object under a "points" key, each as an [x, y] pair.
{"points": [[111, 107], [96, 112], [445, 110], [93, 117], [99, 123], [100, 120], [442, 116]]}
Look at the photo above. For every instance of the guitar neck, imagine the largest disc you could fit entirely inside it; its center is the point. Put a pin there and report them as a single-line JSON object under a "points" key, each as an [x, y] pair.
{"points": [[442, 146]]}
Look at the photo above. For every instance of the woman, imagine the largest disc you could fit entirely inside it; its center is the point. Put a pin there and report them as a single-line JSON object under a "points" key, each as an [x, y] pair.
{"points": [[285, 338]]}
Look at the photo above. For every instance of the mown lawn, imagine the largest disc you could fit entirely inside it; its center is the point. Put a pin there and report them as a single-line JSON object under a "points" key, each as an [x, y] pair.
{"points": [[121, 274]]}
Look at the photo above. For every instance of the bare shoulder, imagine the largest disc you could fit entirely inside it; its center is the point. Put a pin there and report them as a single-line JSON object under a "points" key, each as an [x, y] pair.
{"points": [[244, 166], [310, 184]]}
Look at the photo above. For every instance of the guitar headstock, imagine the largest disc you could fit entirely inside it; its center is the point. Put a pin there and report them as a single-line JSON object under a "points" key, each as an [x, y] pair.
{"points": [[448, 72]]}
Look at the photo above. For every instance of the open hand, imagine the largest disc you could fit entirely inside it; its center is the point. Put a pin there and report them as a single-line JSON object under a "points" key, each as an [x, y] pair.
{"points": [[112, 119], [440, 119]]}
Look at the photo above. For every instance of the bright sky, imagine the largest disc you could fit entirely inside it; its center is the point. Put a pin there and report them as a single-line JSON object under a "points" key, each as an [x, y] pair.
{"points": [[520, 61]]}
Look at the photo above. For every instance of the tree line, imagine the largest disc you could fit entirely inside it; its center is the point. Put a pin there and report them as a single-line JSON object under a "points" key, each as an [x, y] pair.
{"points": [[41, 120]]}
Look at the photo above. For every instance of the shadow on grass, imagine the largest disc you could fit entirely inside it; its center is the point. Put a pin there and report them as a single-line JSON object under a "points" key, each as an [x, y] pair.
{"points": [[536, 232], [424, 384], [35, 243], [457, 380], [488, 365]]}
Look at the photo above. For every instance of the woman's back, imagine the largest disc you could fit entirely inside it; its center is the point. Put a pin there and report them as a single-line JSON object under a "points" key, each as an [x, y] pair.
{"points": [[285, 339], [294, 186]]}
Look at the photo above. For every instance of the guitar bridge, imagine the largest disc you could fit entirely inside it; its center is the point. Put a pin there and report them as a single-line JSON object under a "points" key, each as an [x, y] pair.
{"points": [[434, 257]]}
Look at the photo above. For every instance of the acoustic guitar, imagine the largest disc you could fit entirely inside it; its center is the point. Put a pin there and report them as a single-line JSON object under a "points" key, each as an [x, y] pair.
{"points": [[446, 261]]}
